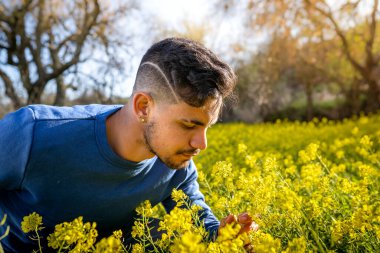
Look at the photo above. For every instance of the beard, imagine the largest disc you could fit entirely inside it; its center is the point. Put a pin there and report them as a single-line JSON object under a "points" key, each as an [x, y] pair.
{"points": [[169, 161]]}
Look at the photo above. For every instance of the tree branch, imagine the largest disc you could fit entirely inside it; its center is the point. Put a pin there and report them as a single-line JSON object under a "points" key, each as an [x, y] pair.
{"points": [[339, 32], [88, 23], [19, 50], [372, 33], [9, 89], [38, 34]]}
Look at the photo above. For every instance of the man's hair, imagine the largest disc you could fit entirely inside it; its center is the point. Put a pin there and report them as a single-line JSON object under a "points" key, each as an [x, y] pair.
{"points": [[177, 69]]}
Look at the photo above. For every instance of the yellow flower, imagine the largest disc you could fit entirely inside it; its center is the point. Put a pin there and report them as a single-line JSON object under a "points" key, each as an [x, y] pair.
{"points": [[179, 220], [265, 243], [338, 169], [179, 196], [229, 240], [242, 148], [363, 120], [138, 229], [32, 222], [188, 243], [366, 142], [118, 234], [228, 232], [108, 245], [145, 209], [222, 169], [75, 234], [338, 230], [339, 154], [270, 164], [250, 160], [355, 130], [309, 154], [201, 176], [196, 208], [297, 245], [138, 248]]}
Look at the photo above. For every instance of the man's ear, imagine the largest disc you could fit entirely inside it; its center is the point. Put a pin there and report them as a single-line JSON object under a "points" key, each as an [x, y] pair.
{"points": [[142, 105]]}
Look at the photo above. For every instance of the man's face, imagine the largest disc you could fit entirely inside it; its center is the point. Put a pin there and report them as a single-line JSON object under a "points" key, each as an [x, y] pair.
{"points": [[177, 132]]}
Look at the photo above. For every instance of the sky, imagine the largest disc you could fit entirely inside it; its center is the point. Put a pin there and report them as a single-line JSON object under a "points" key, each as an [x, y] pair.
{"points": [[172, 11]]}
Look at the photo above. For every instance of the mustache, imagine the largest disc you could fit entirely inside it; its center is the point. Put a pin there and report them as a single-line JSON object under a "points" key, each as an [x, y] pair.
{"points": [[192, 152]]}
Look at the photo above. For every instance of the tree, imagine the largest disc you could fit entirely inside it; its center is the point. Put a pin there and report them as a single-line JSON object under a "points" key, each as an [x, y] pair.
{"points": [[319, 21], [44, 42], [267, 83]]}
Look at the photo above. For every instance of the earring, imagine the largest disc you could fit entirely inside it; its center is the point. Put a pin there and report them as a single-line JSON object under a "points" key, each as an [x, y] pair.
{"points": [[142, 120]]}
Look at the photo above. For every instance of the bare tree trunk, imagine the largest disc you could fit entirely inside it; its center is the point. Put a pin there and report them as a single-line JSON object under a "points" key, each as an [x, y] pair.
{"points": [[34, 94], [354, 98], [373, 96], [310, 103], [60, 96]]}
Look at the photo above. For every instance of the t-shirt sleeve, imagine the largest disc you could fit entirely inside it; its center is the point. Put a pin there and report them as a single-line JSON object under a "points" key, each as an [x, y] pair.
{"points": [[191, 188], [16, 135]]}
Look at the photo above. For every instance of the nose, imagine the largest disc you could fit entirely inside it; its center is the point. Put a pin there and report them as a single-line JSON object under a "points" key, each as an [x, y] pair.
{"points": [[199, 140]]}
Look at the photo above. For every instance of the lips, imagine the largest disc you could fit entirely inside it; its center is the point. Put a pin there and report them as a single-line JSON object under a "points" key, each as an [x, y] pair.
{"points": [[191, 154], [187, 155]]}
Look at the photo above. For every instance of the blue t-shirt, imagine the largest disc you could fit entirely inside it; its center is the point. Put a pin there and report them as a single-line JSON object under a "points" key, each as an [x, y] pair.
{"points": [[56, 161]]}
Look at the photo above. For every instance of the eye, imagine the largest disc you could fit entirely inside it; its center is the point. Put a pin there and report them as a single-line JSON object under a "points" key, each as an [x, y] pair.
{"points": [[188, 125]]}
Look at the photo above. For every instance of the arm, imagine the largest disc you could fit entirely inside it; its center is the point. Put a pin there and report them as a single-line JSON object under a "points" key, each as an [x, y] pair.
{"points": [[16, 134], [190, 187]]}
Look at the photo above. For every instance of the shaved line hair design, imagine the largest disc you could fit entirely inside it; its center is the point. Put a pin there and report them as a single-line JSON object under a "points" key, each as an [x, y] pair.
{"points": [[155, 66]]}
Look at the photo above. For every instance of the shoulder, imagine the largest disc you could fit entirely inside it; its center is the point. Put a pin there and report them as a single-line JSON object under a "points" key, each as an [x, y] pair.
{"points": [[23, 117], [47, 112]]}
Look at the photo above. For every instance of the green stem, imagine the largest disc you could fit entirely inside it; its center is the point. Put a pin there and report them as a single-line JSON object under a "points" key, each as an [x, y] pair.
{"points": [[38, 240], [61, 247], [323, 164], [208, 186], [149, 237], [123, 247]]}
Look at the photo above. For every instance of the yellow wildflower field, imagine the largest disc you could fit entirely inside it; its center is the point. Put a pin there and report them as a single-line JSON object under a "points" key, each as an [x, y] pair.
{"points": [[311, 187]]}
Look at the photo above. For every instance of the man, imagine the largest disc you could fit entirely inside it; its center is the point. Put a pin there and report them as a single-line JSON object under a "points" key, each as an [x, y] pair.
{"points": [[100, 162]]}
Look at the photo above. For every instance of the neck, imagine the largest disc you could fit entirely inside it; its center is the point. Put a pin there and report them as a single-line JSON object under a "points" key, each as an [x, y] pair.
{"points": [[125, 136]]}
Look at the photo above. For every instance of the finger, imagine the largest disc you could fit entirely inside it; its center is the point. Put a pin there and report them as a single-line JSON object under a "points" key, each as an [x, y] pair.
{"points": [[230, 218], [222, 223], [226, 220], [244, 218], [245, 227], [245, 221]]}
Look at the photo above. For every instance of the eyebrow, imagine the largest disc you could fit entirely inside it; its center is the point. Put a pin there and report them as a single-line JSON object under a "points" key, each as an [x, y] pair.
{"points": [[197, 122]]}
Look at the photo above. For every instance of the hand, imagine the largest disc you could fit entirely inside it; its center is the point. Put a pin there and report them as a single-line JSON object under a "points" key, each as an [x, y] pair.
{"points": [[245, 221]]}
